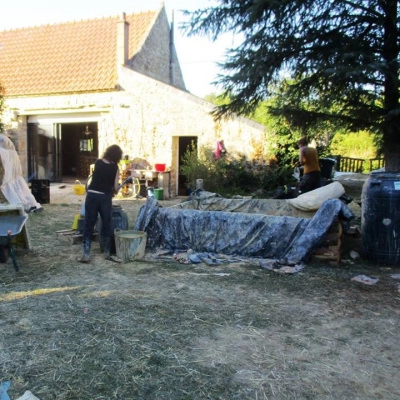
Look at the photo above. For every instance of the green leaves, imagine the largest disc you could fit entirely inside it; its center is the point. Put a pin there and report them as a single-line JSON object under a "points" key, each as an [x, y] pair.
{"points": [[335, 60]]}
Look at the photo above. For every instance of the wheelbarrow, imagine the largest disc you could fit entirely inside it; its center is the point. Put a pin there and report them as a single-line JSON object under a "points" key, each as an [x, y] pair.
{"points": [[10, 226]]}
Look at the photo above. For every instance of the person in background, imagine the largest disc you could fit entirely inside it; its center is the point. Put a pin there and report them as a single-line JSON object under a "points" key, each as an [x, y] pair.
{"points": [[308, 158], [101, 189]]}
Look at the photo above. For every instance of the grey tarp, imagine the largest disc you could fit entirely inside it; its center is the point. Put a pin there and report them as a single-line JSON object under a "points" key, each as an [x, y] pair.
{"points": [[208, 201], [285, 238]]}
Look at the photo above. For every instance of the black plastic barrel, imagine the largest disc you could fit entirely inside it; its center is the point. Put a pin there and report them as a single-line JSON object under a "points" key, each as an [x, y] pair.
{"points": [[40, 189], [119, 220], [380, 218], [327, 166]]}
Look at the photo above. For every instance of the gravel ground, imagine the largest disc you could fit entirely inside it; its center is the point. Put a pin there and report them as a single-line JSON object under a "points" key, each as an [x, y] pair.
{"points": [[63, 193]]}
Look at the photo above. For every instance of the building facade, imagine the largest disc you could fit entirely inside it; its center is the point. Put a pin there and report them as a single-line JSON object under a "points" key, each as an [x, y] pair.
{"points": [[73, 89]]}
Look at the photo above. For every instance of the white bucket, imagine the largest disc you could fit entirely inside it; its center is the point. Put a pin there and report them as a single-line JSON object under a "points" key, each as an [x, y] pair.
{"points": [[130, 245]]}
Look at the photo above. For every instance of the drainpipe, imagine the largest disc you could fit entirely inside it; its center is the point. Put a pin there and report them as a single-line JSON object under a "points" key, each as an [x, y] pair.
{"points": [[122, 40], [171, 53]]}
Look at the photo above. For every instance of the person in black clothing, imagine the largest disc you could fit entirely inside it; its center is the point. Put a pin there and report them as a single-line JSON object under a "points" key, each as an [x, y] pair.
{"points": [[102, 188]]}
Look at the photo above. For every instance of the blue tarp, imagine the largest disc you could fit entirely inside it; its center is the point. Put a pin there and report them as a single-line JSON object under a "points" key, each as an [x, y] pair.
{"points": [[285, 238], [4, 386]]}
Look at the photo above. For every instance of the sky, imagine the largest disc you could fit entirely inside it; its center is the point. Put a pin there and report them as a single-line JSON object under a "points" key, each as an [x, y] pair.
{"points": [[198, 56]]}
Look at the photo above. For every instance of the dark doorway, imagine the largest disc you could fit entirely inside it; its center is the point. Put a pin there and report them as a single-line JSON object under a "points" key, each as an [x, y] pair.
{"points": [[70, 135], [61, 152], [79, 149], [185, 143]]}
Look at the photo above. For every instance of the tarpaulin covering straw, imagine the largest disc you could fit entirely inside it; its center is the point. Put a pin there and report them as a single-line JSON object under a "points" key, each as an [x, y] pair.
{"points": [[208, 201], [303, 206], [287, 239]]}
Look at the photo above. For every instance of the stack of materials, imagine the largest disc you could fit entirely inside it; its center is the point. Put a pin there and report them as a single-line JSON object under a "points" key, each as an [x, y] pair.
{"points": [[14, 189], [269, 228]]}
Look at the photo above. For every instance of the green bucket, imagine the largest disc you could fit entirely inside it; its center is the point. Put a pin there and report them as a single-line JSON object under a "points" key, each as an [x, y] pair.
{"points": [[159, 194]]}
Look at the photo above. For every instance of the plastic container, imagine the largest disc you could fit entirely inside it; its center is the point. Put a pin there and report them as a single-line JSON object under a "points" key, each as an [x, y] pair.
{"points": [[150, 175], [119, 220], [75, 222], [79, 188], [130, 245], [327, 166], [158, 194], [380, 218], [160, 167], [40, 189]]}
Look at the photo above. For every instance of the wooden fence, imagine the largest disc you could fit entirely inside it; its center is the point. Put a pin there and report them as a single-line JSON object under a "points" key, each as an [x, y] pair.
{"points": [[356, 165], [376, 163], [348, 164]]}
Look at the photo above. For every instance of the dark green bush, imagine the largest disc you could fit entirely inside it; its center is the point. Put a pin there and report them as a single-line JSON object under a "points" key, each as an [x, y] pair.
{"points": [[230, 176]]}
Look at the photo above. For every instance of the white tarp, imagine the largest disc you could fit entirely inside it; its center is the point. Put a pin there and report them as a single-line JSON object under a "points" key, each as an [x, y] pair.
{"points": [[13, 186], [314, 199]]}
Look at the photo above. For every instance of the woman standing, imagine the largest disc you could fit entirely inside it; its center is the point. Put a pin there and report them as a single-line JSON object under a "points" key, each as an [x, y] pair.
{"points": [[103, 186]]}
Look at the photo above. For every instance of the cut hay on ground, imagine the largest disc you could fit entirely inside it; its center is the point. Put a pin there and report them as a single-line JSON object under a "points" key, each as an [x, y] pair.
{"points": [[164, 330]]}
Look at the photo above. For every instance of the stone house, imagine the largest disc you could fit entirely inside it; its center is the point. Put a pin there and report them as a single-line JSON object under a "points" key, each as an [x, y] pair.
{"points": [[72, 89]]}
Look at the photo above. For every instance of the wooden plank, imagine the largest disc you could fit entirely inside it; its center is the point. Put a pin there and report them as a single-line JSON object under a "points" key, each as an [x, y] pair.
{"points": [[67, 232], [330, 247], [331, 253]]}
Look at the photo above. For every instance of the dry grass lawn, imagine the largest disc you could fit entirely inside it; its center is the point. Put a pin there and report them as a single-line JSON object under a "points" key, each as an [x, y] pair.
{"points": [[163, 330]]}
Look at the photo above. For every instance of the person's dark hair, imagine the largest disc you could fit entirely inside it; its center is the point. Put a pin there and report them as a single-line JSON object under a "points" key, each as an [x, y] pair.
{"points": [[113, 153], [303, 141]]}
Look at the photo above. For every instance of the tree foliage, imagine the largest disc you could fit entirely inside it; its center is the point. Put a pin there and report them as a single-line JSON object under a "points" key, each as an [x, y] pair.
{"points": [[325, 60], [356, 145], [284, 137], [231, 176]]}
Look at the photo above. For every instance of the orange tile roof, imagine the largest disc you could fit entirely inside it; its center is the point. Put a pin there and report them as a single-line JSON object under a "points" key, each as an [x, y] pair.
{"points": [[69, 57]]}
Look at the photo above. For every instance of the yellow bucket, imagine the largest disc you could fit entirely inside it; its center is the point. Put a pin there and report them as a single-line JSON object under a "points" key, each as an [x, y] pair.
{"points": [[75, 223], [79, 188]]}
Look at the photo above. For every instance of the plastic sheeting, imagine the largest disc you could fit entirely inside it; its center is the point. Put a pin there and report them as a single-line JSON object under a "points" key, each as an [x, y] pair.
{"points": [[314, 199], [13, 186], [285, 238], [208, 201], [303, 206]]}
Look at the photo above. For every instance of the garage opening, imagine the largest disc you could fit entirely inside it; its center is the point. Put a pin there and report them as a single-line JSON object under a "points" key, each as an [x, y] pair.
{"points": [[62, 152]]}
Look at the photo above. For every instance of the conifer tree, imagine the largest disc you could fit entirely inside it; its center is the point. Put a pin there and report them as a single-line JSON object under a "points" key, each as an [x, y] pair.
{"points": [[335, 60]]}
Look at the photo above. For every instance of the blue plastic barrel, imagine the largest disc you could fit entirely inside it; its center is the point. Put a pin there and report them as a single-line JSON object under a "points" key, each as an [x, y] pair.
{"points": [[380, 218]]}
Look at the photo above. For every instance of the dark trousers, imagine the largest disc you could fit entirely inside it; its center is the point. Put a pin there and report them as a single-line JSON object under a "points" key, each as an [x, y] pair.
{"points": [[96, 204], [310, 181]]}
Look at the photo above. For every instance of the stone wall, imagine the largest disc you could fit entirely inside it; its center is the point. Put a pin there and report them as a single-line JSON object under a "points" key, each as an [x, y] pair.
{"points": [[146, 119], [155, 59], [160, 112], [146, 116]]}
